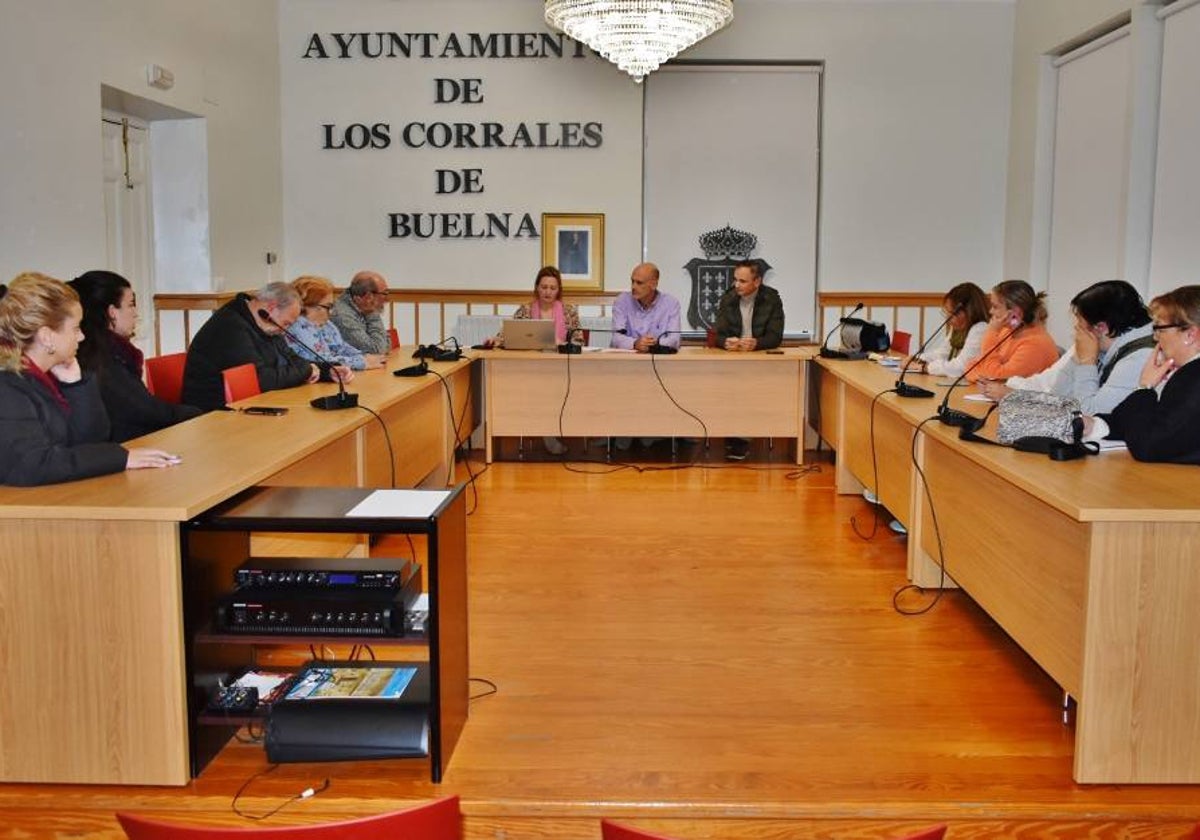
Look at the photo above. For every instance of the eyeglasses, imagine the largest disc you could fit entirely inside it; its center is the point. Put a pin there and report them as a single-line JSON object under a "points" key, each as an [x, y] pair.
{"points": [[1157, 328]]}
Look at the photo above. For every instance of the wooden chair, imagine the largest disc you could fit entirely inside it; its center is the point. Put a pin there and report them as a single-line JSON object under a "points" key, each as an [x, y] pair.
{"points": [[437, 820], [393, 338], [240, 382], [901, 342], [610, 830], [164, 377]]}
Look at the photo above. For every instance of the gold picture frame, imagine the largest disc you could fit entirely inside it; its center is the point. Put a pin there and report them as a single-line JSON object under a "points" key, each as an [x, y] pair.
{"points": [[574, 242]]}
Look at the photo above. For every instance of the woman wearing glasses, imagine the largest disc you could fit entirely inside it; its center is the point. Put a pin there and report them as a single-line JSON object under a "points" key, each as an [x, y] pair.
{"points": [[1160, 421], [314, 328], [966, 306]]}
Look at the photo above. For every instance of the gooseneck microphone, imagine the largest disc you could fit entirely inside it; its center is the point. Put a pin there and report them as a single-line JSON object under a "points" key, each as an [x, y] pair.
{"points": [[332, 403], [961, 419], [660, 349], [905, 390], [826, 352], [572, 349]]}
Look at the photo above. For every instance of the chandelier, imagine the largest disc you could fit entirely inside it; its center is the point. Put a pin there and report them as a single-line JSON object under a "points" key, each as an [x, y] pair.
{"points": [[639, 35]]}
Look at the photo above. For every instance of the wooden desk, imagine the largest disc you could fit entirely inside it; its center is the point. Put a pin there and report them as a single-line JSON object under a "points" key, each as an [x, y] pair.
{"points": [[1089, 565], [626, 394], [92, 659]]}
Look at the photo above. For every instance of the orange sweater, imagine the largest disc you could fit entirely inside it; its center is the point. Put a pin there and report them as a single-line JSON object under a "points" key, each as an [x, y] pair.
{"points": [[1030, 351]]}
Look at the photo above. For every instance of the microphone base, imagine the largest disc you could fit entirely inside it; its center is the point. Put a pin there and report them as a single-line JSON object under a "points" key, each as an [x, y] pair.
{"points": [[960, 419], [570, 349], [903, 389], [826, 353], [336, 402], [662, 350]]}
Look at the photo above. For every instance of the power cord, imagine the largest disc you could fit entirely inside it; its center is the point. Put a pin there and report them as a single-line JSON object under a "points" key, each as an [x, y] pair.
{"points": [[937, 531], [307, 793], [387, 438], [875, 505], [492, 688], [458, 440]]}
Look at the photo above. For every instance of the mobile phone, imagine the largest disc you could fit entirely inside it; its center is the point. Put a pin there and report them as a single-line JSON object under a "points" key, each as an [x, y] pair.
{"points": [[272, 410]]}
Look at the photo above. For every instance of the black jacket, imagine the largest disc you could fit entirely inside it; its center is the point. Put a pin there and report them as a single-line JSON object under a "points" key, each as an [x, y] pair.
{"points": [[766, 323], [132, 410], [231, 338], [1162, 427], [42, 444]]}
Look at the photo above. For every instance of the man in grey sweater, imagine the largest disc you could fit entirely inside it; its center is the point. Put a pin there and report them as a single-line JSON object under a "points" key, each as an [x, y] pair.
{"points": [[357, 313]]}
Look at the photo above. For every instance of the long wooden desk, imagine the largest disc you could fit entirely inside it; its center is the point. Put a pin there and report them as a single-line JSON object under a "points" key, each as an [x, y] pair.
{"points": [[93, 683], [605, 394], [1089, 565]]}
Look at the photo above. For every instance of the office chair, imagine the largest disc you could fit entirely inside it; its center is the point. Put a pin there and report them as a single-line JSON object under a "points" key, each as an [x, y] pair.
{"points": [[901, 342], [240, 382], [164, 377], [393, 338], [437, 820]]}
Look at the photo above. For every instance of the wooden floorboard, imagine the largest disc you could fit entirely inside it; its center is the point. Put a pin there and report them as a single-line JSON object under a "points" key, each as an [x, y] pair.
{"points": [[708, 653]]}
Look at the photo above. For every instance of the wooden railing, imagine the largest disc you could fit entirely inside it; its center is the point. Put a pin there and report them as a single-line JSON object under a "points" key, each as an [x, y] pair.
{"points": [[422, 316], [428, 315], [911, 312]]}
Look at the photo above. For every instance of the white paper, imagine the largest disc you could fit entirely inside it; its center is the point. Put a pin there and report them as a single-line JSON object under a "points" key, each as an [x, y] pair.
{"points": [[399, 504], [978, 398]]}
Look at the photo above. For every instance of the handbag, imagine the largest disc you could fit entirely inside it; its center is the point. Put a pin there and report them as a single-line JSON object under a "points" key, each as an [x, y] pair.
{"points": [[1037, 414]]}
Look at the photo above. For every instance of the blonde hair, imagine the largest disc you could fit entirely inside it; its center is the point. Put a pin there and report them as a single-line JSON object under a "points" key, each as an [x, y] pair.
{"points": [[1180, 305], [312, 289], [31, 301]]}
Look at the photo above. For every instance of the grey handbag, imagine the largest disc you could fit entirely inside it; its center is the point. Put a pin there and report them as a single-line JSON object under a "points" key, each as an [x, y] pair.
{"points": [[1025, 414]]}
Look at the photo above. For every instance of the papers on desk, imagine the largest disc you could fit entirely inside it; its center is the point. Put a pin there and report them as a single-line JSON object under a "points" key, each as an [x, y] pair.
{"points": [[978, 398], [1111, 445], [399, 504]]}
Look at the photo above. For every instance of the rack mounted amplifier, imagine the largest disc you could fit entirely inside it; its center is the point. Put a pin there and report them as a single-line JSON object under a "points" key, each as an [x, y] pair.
{"points": [[321, 572]]}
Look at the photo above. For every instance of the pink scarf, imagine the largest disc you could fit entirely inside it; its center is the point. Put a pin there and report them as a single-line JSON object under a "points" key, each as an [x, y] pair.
{"points": [[560, 323]]}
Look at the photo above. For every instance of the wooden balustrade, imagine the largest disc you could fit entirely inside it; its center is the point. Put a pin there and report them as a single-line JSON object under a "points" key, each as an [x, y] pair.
{"points": [[428, 315]]}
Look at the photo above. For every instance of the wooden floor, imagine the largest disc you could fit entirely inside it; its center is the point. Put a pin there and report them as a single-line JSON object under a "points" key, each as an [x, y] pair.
{"points": [[710, 653]]}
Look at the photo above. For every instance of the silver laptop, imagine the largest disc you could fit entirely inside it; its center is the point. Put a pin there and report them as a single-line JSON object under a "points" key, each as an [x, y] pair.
{"points": [[524, 334]]}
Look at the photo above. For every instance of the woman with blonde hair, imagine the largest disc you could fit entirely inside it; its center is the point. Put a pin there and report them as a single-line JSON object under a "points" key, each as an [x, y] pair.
{"points": [[1016, 343], [314, 328], [53, 426]]}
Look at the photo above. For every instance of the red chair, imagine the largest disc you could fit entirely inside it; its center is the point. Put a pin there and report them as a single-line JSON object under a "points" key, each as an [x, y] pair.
{"points": [[164, 377], [437, 820], [610, 830], [240, 382], [901, 342], [393, 337]]}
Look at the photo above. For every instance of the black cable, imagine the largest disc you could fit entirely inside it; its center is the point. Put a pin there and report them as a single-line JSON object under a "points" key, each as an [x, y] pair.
{"points": [[387, 438], [304, 794], [937, 532], [458, 441], [493, 688], [875, 475]]}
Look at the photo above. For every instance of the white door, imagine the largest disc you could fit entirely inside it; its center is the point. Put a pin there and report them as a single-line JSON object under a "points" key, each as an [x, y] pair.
{"points": [[127, 214]]}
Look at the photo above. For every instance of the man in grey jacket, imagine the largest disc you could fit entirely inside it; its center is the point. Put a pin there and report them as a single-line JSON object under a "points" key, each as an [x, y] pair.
{"points": [[357, 313]]}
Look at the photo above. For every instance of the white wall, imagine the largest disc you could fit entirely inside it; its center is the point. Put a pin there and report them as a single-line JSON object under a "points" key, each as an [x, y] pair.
{"points": [[915, 126], [1042, 26], [54, 57]]}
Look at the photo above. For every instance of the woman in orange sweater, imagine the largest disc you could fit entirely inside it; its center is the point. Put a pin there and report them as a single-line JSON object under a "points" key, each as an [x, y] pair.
{"points": [[1018, 319]]}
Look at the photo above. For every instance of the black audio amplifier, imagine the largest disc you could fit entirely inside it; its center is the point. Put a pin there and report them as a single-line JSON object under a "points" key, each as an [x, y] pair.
{"points": [[292, 610], [321, 572]]}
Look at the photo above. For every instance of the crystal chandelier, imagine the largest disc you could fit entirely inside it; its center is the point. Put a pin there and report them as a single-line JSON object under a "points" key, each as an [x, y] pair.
{"points": [[638, 35]]}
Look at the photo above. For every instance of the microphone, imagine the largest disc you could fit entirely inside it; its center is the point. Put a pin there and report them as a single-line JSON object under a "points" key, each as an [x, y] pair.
{"points": [[903, 390], [826, 352], [571, 349], [660, 349], [331, 403], [419, 369], [961, 419]]}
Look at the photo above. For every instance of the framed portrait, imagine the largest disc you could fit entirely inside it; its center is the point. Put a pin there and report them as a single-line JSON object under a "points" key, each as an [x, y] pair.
{"points": [[574, 242]]}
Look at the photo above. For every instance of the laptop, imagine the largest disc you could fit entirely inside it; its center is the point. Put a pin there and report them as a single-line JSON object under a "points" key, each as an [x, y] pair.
{"points": [[525, 334]]}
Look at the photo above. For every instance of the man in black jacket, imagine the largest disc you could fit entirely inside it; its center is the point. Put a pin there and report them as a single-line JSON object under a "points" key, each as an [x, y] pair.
{"points": [[236, 335], [750, 315]]}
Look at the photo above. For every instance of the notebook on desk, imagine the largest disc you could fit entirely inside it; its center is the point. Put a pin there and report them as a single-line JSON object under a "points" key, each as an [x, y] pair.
{"points": [[525, 334]]}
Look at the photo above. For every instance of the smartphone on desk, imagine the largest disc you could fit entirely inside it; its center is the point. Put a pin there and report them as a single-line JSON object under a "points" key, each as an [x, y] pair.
{"points": [[271, 410]]}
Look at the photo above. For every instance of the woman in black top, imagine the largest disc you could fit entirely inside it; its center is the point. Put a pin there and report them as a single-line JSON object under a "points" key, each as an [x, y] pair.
{"points": [[109, 355], [52, 423]]}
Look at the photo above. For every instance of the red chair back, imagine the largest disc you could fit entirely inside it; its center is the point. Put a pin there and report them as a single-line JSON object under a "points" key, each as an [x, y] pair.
{"points": [[901, 342], [240, 382], [393, 337], [164, 377], [610, 830], [437, 820]]}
